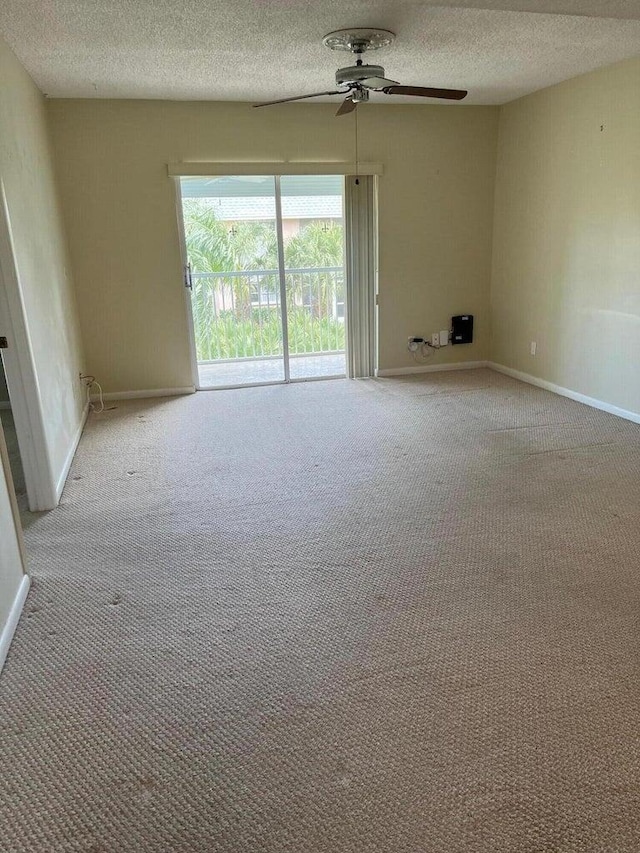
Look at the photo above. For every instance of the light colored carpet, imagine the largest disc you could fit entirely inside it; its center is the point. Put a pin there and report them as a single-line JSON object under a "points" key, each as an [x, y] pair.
{"points": [[342, 617]]}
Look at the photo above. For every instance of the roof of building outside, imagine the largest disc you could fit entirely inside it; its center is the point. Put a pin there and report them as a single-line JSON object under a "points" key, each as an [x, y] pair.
{"points": [[263, 208]]}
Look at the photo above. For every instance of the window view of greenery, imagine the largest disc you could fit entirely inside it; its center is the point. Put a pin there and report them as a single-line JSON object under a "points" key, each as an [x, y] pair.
{"points": [[236, 287]]}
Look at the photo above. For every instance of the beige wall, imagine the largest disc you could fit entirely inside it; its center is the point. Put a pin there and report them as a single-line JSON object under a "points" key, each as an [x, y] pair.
{"points": [[41, 261], [566, 270], [436, 200]]}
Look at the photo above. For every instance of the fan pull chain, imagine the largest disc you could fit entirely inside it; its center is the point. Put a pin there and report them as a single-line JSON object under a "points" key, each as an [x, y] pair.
{"points": [[356, 121]]}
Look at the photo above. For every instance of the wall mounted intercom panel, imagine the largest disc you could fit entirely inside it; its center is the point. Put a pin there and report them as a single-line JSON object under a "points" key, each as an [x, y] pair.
{"points": [[462, 329]]}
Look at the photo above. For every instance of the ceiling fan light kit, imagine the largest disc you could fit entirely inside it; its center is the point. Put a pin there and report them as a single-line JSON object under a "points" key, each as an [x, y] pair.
{"points": [[356, 81]]}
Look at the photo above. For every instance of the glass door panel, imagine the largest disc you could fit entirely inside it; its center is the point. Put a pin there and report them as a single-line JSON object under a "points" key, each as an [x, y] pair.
{"points": [[232, 248], [313, 242]]}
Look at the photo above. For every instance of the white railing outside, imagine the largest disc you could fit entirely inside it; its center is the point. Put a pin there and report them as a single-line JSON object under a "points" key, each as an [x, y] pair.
{"points": [[237, 314]]}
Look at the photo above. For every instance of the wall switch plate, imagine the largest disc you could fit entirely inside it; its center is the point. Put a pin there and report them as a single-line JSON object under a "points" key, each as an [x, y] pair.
{"points": [[435, 340], [533, 347], [444, 337]]}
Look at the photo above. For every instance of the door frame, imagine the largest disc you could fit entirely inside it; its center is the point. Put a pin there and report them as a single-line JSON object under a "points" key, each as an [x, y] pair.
{"points": [[282, 276], [21, 589], [22, 381], [5, 471], [186, 286], [275, 170]]}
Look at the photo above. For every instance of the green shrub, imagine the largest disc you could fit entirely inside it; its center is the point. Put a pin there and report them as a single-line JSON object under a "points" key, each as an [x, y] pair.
{"points": [[247, 330], [259, 334]]}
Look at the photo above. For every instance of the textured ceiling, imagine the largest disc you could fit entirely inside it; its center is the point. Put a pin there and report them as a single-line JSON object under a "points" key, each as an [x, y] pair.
{"points": [[246, 51]]}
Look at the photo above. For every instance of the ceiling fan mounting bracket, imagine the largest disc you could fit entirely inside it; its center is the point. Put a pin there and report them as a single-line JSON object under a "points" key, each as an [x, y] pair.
{"points": [[357, 73], [358, 39]]}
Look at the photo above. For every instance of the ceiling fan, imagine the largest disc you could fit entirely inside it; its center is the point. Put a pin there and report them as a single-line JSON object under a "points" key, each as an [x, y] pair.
{"points": [[356, 81]]}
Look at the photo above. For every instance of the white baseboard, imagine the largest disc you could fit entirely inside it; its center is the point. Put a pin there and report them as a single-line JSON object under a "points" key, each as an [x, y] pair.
{"points": [[12, 619], [153, 392], [431, 368], [62, 479], [566, 392]]}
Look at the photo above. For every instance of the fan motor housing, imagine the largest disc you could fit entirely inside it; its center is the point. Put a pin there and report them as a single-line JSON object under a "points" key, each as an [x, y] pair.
{"points": [[357, 73]]}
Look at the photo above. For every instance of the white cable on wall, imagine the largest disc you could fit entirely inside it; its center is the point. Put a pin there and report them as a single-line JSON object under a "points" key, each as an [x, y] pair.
{"points": [[423, 353], [90, 381]]}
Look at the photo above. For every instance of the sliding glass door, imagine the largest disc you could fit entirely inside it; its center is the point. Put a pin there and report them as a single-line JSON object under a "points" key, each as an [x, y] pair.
{"points": [[313, 236], [265, 265], [232, 255]]}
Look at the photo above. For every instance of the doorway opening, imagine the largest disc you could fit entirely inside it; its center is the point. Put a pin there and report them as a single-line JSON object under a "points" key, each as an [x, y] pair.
{"points": [[265, 267], [11, 438]]}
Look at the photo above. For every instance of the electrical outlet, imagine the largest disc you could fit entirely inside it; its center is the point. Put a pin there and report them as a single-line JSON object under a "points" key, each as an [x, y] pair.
{"points": [[435, 339], [444, 337], [533, 347]]}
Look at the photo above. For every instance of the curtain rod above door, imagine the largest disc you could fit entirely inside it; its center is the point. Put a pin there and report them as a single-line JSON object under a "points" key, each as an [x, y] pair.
{"points": [[177, 170]]}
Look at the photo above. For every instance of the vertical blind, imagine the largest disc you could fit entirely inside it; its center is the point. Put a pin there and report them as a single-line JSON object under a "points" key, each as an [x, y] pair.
{"points": [[361, 274]]}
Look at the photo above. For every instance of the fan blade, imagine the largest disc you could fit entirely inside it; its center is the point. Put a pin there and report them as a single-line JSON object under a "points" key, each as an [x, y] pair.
{"points": [[347, 106], [421, 92], [377, 82], [299, 98]]}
